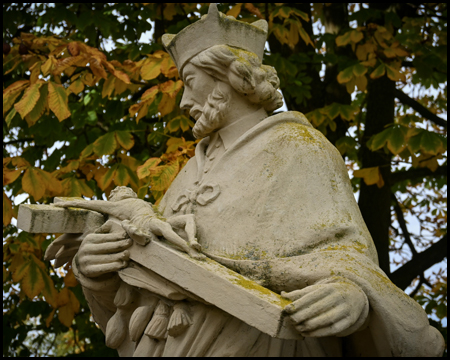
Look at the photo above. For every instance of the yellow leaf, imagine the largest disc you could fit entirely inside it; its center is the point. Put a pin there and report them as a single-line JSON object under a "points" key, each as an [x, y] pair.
{"points": [[361, 83], [390, 53], [35, 71], [151, 69], [69, 279], [33, 183], [97, 68], [235, 10], [49, 65], [42, 104], [33, 283], [10, 176], [66, 315], [119, 86], [77, 86], [11, 93], [168, 67], [73, 187], [304, 35], [88, 79], [171, 87], [105, 180], [143, 110], [125, 139], [108, 87], [145, 169], [371, 176], [50, 318], [394, 74], [51, 184], [293, 34], [63, 297], [29, 100], [356, 36], [164, 175], [57, 101], [7, 210], [166, 105]]}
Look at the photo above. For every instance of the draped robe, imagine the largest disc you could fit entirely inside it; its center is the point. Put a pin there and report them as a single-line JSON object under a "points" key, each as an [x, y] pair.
{"points": [[278, 207]]}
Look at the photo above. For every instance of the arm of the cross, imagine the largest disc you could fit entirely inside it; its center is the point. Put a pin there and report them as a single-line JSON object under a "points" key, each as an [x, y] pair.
{"points": [[73, 223]]}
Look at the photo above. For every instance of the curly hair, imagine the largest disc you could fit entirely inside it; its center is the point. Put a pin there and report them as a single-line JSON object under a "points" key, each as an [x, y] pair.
{"points": [[244, 71]]}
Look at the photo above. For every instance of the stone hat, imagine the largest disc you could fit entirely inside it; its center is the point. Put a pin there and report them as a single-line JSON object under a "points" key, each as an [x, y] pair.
{"points": [[215, 29]]}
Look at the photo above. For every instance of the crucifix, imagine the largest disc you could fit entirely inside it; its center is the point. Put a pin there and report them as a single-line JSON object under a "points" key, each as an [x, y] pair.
{"points": [[178, 274]]}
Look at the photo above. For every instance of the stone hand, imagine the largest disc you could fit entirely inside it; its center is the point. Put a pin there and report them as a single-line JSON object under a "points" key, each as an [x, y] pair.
{"points": [[105, 251], [334, 309]]}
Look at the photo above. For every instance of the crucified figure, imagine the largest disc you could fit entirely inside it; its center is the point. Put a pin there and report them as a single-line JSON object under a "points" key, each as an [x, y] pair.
{"points": [[140, 220]]}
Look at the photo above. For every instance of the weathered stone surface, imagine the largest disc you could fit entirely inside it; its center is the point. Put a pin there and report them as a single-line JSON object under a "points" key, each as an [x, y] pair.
{"points": [[52, 219], [267, 198]]}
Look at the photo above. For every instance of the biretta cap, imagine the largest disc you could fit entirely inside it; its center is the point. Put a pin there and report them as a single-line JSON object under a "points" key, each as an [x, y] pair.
{"points": [[215, 29]]}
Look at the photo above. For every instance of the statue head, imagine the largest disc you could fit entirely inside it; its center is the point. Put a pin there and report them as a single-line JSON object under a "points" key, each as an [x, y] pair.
{"points": [[220, 62], [120, 193]]}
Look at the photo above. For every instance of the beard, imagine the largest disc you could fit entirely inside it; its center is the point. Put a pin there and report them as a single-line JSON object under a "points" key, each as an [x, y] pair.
{"points": [[214, 112]]}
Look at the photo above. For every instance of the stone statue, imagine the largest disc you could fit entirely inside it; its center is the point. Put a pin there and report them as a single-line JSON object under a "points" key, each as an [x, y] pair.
{"points": [[269, 198]]}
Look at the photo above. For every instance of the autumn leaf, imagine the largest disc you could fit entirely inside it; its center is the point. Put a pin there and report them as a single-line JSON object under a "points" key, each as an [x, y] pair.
{"points": [[121, 177], [125, 139], [29, 100], [166, 105], [52, 185], [57, 101], [164, 175], [7, 210], [105, 180], [11, 93], [235, 10], [378, 72], [74, 187], [105, 144], [371, 176], [35, 114], [145, 169], [393, 137], [171, 87], [151, 68], [33, 183]]}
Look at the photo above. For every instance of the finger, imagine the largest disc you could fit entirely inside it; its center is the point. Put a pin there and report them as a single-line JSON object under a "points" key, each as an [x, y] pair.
{"points": [[308, 297], [104, 238], [312, 310], [331, 330], [107, 258], [108, 227], [107, 248], [97, 270], [336, 318]]}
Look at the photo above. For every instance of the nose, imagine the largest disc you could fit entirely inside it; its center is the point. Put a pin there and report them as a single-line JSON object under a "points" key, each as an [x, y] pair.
{"points": [[186, 101]]}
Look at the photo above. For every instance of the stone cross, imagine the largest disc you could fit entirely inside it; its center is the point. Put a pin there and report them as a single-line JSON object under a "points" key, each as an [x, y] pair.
{"points": [[206, 279]]}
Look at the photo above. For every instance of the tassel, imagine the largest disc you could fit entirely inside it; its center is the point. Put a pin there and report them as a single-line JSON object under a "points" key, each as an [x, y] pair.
{"points": [[157, 327], [180, 320], [116, 330]]}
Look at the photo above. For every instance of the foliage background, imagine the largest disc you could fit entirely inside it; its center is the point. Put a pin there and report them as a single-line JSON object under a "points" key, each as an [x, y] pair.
{"points": [[87, 107]]}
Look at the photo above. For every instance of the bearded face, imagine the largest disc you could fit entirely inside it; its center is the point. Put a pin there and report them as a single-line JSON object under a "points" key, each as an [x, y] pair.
{"points": [[211, 117]]}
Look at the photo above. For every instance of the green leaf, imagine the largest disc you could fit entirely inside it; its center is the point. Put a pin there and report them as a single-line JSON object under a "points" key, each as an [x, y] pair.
{"points": [[378, 72], [173, 125], [10, 116], [346, 144], [345, 75], [122, 177], [151, 69], [396, 141], [106, 144], [359, 70]]}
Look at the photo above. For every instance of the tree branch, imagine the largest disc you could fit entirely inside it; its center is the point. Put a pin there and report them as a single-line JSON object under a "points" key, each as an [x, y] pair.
{"points": [[402, 222], [422, 110], [417, 174], [403, 276]]}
